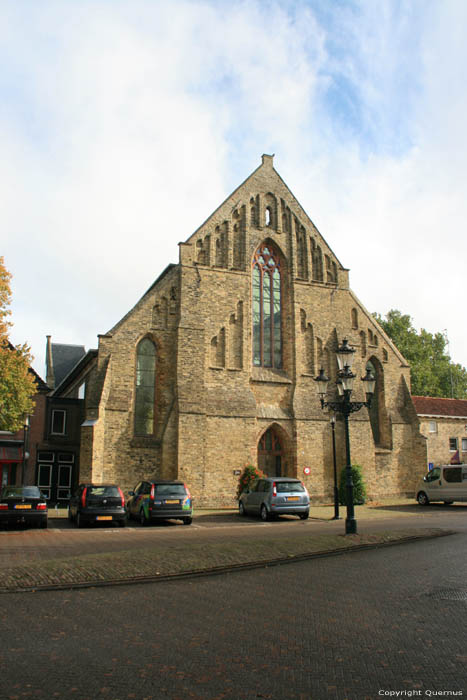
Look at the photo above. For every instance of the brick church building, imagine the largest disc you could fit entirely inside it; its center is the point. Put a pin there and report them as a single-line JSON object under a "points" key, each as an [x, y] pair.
{"points": [[214, 367]]}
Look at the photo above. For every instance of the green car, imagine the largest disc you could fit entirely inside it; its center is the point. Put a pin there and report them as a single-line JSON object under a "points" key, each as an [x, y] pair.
{"points": [[156, 499]]}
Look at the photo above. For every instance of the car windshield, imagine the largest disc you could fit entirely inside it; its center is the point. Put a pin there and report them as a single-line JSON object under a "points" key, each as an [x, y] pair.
{"points": [[103, 491], [172, 489], [20, 491], [289, 486]]}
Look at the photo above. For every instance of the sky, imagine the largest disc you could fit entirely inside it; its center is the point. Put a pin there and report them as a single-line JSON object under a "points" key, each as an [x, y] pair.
{"points": [[125, 123]]}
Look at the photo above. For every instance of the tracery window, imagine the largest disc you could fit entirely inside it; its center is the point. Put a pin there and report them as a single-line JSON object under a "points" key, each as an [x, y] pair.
{"points": [[145, 387], [267, 331]]}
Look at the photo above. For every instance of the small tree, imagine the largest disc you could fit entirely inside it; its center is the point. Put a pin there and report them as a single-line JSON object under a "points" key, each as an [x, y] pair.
{"points": [[17, 385], [359, 488], [247, 477]]}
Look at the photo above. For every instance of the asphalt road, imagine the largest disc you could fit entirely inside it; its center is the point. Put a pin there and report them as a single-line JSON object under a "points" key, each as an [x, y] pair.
{"points": [[359, 626]]}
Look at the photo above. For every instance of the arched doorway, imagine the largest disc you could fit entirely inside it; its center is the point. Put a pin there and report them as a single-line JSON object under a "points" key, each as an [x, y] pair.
{"points": [[270, 454]]}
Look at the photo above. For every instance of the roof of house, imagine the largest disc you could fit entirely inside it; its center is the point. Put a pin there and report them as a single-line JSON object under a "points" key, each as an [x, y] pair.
{"points": [[74, 372], [65, 357], [434, 406]]}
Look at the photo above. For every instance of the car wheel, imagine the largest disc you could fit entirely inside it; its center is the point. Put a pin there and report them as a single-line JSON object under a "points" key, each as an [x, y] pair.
{"points": [[79, 520], [122, 523], [422, 498], [241, 509], [142, 518], [44, 522], [448, 503], [264, 513], [304, 516], [187, 521], [70, 517]]}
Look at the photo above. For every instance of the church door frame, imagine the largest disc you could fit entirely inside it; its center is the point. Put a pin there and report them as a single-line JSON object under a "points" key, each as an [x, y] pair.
{"points": [[271, 452]]}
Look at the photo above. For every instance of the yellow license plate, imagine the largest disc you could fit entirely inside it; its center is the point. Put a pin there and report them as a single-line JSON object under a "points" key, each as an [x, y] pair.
{"points": [[293, 498], [26, 506], [104, 517], [172, 501]]}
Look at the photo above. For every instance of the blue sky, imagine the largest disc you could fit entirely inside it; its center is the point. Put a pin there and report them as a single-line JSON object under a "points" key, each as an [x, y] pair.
{"points": [[124, 124]]}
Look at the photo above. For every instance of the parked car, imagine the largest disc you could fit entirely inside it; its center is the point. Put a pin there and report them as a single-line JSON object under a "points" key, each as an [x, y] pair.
{"points": [[446, 483], [156, 499], [278, 495], [23, 504], [95, 503]]}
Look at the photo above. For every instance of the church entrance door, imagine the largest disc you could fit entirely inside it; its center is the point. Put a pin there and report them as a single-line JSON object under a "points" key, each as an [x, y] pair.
{"points": [[270, 454]]}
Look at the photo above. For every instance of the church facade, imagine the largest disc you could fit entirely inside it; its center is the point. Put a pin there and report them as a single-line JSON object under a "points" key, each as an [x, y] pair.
{"points": [[213, 369]]}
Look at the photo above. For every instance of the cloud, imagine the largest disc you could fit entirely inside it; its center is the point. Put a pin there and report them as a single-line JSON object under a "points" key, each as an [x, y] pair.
{"points": [[124, 124]]}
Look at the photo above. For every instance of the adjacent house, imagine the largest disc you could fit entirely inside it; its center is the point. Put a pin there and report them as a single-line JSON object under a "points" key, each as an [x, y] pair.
{"points": [[18, 450], [443, 422], [57, 450]]}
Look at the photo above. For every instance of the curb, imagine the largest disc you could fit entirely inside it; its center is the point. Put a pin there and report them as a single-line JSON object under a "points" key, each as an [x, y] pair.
{"points": [[218, 570]]}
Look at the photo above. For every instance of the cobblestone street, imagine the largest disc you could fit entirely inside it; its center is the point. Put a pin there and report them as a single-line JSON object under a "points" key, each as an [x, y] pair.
{"points": [[353, 627]]}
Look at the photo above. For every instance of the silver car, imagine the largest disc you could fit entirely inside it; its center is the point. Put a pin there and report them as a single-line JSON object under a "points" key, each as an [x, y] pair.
{"points": [[275, 495]]}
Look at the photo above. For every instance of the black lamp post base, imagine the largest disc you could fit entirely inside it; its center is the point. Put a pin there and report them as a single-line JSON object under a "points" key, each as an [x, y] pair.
{"points": [[350, 526]]}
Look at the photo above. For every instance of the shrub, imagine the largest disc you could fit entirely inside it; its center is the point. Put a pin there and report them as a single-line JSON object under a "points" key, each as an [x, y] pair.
{"points": [[359, 489], [248, 475]]}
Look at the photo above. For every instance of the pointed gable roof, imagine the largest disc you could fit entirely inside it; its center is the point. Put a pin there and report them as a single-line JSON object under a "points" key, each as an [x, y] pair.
{"points": [[256, 182]]}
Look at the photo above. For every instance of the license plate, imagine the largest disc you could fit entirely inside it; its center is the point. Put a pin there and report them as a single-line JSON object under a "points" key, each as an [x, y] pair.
{"points": [[104, 517], [293, 498], [171, 502], [24, 507]]}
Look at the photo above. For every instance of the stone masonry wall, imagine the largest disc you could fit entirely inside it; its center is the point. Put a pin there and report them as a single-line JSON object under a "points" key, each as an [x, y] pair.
{"points": [[212, 405]]}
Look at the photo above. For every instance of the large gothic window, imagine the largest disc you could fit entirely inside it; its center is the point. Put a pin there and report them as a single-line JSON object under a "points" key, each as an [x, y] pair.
{"points": [[145, 387], [267, 332]]}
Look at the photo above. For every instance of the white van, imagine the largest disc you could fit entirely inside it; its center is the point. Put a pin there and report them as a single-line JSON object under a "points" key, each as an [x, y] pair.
{"points": [[446, 483]]}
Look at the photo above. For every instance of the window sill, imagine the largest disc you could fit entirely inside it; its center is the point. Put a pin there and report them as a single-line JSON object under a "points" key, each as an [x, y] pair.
{"points": [[145, 441], [267, 374]]}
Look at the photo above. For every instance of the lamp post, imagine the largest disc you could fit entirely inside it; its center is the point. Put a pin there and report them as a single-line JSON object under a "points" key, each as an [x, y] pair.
{"points": [[25, 447], [336, 490], [344, 385]]}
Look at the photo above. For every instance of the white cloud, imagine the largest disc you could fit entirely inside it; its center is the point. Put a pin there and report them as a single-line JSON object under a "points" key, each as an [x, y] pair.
{"points": [[126, 123]]}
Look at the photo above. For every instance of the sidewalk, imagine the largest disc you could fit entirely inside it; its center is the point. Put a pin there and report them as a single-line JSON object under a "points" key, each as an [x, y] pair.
{"points": [[69, 558]]}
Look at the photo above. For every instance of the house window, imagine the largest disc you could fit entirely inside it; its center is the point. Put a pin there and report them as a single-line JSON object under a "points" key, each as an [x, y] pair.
{"points": [[267, 332], [58, 422], [453, 444], [433, 426], [464, 444], [145, 387], [45, 456]]}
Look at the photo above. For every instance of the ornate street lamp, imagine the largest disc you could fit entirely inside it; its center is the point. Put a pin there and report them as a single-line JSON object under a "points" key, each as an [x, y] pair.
{"points": [[344, 385]]}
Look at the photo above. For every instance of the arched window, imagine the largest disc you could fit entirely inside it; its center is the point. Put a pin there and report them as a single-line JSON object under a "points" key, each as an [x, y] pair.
{"points": [[379, 418], [267, 332], [145, 387]]}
